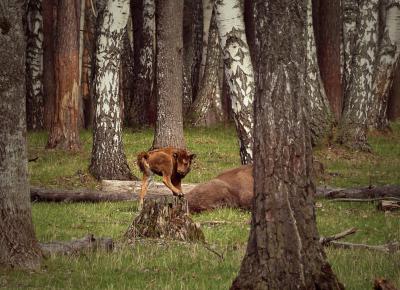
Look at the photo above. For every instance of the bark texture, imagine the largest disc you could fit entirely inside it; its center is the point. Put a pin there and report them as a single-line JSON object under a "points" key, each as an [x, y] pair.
{"points": [[34, 66], [169, 125], [64, 131], [108, 157], [238, 70], [283, 251], [19, 247], [143, 106], [207, 108]]}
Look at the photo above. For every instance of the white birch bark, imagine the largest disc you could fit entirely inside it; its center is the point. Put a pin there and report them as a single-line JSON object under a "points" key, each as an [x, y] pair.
{"points": [[321, 115], [34, 66], [359, 81], [389, 50], [238, 71], [108, 158]]}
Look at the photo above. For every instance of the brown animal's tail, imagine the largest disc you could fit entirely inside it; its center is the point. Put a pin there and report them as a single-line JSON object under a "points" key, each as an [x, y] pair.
{"points": [[142, 163]]}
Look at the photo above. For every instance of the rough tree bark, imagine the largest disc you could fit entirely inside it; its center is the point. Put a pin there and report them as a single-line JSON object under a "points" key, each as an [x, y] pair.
{"points": [[238, 71], [64, 132], [360, 56], [208, 6], [49, 15], [327, 17], [207, 108], [389, 51], [108, 157], [394, 97], [283, 251], [19, 247], [143, 106], [169, 125], [34, 66], [321, 120], [127, 73]]}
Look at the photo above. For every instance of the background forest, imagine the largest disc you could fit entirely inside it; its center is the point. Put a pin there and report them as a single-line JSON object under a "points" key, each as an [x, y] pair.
{"points": [[95, 82]]}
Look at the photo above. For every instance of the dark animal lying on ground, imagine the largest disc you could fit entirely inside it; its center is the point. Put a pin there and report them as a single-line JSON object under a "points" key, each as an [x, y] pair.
{"points": [[172, 164], [232, 188]]}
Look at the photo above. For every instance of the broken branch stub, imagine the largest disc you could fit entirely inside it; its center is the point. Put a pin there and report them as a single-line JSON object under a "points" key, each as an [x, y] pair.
{"points": [[165, 218]]}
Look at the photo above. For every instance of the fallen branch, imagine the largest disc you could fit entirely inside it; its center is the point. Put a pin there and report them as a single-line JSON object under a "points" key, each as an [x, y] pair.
{"points": [[388, 205], [360, 192], [366, 199], [88, 243], [386, 248], [326, 240]]}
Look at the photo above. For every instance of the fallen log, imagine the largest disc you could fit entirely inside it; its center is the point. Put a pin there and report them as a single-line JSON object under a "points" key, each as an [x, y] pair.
{"points": [[88, 243], [389, 248], [388, 205], [359, 192]]}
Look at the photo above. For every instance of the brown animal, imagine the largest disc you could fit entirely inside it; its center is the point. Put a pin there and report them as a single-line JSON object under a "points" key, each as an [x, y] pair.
{"points": [[172, 164], [232, 188]]}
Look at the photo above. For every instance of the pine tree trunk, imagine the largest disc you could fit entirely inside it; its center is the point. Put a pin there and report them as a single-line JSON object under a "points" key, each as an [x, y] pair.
{"points": [[328, 27], [321, 120], [283, 251], [19, 247], [108, 157], [207, 108], [49, 13], [359, 71], [238, 70], [389, 50], [143, 106], [169, 125], [64, 132], [34, 66]]}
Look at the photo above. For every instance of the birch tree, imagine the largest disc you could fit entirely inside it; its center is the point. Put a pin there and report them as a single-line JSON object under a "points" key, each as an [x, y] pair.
{"points": [[34, 66], [108, 157], [19, 247], [169, 124], [283, 250], [238, 71], [64, 131]]}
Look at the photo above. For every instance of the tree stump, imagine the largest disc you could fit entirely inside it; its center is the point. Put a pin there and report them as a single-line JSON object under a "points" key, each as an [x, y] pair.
{"points": [[165, 218]]}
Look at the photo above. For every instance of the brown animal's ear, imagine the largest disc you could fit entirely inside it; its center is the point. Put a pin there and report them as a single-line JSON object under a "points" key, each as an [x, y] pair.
{"points": [[175, 155], [191, 156]]}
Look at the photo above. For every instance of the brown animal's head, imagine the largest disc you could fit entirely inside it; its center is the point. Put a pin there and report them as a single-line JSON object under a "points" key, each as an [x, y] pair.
{"points": [[183, 162]]}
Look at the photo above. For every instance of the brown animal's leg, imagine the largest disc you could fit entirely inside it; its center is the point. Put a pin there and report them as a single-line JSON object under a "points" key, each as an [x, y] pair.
{"points": [[177, 184], [168, 183], [143, 190]]}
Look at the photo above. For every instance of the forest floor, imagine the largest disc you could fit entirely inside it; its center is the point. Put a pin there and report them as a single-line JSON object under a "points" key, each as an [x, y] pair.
{"points": [[157, 264]]}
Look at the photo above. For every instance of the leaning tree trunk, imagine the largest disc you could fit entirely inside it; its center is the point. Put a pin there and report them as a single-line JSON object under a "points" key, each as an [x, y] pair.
{"points": [[143, 106], [64, 132], [169, 125], [49, 82], [389, 50], [238, 70], [327, 17], [207, 108], [283, 251], [359, 80], [34, 66], [321, 120], [108, 157], [19, 247]]}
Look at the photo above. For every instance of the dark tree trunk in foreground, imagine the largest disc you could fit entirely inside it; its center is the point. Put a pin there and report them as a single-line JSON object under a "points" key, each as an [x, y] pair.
{"points": [[49, 83], [64, 132], [108, 157], [18, 245], [283, 251], [169, 125]]}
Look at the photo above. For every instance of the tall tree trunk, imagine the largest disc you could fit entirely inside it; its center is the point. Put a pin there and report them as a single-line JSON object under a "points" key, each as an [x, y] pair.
{"points": [[207, 108], [34, 66], [64, 132], [359, 79], [169, 125], [208, 6], [394, 97], [126, 79], [389, 50], [328, 25], [108, 157], [321, 120], [192, 50], [49, 14], [143, 106], [238, 70], [283, 251], [19, 247]]}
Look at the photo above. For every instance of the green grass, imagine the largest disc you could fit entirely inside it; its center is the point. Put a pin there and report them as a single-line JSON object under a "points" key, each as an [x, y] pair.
{"points": [[175, 265]]}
